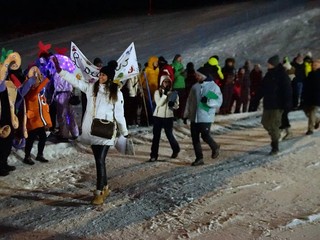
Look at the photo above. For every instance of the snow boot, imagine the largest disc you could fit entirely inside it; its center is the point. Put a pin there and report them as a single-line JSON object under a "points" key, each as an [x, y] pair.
{"points": [[105, 192], [98, 198], [287, 134]]}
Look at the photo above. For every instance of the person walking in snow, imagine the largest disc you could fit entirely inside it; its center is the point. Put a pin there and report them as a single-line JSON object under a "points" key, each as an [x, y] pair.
{"points": [[277, 97], [104, 101], [166, 101], [311, 97], [204, 99], [285, 122]]}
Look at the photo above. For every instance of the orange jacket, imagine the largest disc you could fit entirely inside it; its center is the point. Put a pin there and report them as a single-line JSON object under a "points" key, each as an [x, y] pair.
{"points": [[37, 108]]}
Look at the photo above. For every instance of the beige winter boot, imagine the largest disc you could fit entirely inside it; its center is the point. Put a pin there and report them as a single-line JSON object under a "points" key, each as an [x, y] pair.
{"points": [[105, 192], [98, 198], [288, 134]]}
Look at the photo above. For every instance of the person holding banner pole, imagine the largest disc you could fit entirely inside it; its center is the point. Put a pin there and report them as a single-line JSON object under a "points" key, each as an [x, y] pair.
{"points": [[98, 63], [150, 82], [104, 101]]}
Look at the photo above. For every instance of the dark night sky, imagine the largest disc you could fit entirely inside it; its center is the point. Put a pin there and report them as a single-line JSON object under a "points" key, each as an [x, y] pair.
{"points": [[27, 17]]}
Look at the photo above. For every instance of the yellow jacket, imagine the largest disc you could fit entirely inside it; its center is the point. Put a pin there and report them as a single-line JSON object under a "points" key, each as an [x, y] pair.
{"points": [[150, 77]]}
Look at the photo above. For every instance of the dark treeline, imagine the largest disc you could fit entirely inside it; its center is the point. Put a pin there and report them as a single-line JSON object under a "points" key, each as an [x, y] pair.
{"points": [[20, 18]]}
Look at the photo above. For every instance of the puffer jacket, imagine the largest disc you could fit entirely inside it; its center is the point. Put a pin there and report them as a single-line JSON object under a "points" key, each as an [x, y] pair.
{"points": [[103, 109], [197, 111], [162, 109]]}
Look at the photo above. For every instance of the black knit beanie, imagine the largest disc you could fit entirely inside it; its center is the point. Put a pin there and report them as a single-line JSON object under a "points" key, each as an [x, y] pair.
{"points": [[109, 70], [274, 60]]}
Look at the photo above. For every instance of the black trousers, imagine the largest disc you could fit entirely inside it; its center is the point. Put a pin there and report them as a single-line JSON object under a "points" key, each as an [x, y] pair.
{"points": [[202, 129], [5, 149], [285, 123], [167, 125], [100, 154], [32, 136]]}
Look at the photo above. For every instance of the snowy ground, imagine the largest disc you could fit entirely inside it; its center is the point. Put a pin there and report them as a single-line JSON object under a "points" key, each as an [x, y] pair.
{"points": [[244, 194]]}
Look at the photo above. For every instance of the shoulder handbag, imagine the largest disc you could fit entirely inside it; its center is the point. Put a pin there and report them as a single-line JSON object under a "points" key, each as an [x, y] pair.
{"points": [[102, 127]]}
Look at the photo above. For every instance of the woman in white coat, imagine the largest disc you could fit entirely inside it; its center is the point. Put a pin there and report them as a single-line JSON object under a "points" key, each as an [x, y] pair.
{"points": [[104, 101]]}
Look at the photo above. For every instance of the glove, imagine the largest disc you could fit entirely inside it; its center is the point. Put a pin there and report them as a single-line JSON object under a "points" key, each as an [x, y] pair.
{"points": [[165, 91], [56, 64], [204, 99], [170, 104], [127, 136], [185, 120]]}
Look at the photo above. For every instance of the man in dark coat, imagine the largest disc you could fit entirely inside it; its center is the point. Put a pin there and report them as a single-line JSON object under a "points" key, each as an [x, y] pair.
{"points": [[276, 92], [311, 97]]}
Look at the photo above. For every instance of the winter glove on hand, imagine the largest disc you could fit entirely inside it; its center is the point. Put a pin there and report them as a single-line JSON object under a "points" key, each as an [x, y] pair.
{"points": [[204, 99], [56, 64], [170, 104], [165, 91]]}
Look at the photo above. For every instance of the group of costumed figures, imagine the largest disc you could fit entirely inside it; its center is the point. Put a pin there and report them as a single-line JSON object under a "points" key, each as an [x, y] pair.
{"points": [[24, 101]]}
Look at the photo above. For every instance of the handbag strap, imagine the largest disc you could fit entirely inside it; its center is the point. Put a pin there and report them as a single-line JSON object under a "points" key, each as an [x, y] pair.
{"points": [[94, 108]]}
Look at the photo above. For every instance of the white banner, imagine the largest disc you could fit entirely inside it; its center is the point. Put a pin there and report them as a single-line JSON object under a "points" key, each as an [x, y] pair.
{"points": [[127, 65], [85, 70]]}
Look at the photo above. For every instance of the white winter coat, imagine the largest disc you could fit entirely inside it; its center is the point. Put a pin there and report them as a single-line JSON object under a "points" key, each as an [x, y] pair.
{"points": [[104, 110], [162, 109]]}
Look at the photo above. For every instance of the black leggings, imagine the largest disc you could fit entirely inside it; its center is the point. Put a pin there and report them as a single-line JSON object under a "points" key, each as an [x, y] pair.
{"points": [[100, 154], [32, 135]]}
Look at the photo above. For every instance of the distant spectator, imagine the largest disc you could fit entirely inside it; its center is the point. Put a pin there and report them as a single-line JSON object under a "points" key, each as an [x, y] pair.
{"points": [[227, 85], [179, 84], [256, 76], [297, 82]]}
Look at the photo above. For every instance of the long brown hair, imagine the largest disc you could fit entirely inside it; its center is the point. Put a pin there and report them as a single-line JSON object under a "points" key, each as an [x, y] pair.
{"points": [[109, 86]]}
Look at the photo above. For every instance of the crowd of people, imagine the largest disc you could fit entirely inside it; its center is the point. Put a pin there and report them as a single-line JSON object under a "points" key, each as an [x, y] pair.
{"points": [[37, 100]]}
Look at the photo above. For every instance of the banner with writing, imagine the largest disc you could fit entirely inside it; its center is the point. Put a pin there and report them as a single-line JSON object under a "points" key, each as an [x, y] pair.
{"points": [[85, 70], [127, 65]]}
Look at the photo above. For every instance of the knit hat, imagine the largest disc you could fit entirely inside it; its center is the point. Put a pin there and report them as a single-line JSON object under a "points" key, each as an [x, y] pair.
{"points": [[163, 78], [109, 70], [274, 60], [204, 71]]}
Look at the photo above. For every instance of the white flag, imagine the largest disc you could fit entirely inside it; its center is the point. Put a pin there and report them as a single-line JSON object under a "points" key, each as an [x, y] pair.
{"points": [[127, 65], [85, 70]]}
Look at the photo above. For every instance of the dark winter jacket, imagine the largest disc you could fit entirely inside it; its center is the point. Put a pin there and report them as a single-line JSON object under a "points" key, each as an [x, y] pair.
{"points": [[299, 71], [276, 89], [311, 89], [255, 81]]}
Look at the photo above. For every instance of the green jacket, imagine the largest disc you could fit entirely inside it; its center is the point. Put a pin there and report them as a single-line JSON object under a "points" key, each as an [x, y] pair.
{"points": [[179, 79]]}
